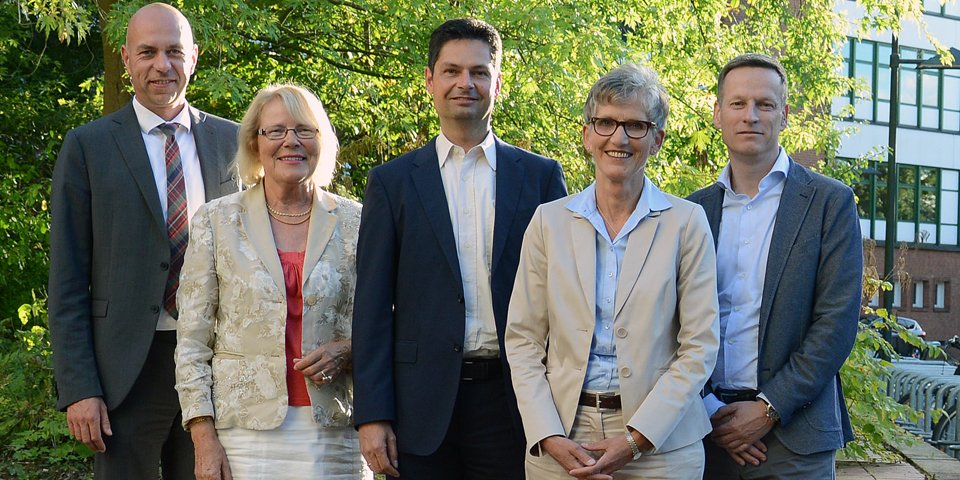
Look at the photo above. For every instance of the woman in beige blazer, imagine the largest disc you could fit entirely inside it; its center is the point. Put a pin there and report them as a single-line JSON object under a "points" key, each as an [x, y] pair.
{"points": [[265, 300], [612, 326]]}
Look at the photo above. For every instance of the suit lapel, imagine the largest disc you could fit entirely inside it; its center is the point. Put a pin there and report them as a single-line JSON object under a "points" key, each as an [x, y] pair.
{"points": [[126, 133], [638, 246], [256, 223], [584, 238], [429, 186], [208, 149], [712, 203], [322, 225], [510, 173], [794, 203]]}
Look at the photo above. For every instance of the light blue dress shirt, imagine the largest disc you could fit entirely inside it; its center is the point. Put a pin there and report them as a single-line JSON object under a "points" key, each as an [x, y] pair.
{"points": [[602, 371], [742, 249]]}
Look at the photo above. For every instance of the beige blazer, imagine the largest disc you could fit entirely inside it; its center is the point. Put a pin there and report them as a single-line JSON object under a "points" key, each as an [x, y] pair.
{"points": [[666, 322], [233, 307]]}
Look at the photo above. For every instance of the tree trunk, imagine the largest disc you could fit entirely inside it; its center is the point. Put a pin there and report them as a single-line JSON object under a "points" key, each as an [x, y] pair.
{"points": [[115, 94]]}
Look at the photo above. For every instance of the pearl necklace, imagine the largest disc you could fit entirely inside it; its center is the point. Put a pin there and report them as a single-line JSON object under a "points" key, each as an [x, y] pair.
{"points": [[284, 214]]}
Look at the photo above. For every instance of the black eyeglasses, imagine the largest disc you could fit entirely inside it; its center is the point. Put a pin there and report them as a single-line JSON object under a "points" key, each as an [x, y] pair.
{"points": [[279, 133], [635, 129]]}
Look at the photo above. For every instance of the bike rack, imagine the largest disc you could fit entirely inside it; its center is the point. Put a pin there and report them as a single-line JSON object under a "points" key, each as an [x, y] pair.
{"points": [[928, 386]]}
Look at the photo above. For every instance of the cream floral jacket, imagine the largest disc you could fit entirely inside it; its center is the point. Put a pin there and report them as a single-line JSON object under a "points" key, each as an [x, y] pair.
{"points": [[232, 301]]}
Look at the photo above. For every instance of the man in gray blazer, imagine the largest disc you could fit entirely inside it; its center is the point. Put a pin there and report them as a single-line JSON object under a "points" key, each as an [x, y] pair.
{"points": [[123, 189], [789, 267]]}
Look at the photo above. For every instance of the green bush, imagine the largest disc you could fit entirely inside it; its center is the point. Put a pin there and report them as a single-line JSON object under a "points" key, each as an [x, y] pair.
{"points": [[865, 375], [36, 441]]}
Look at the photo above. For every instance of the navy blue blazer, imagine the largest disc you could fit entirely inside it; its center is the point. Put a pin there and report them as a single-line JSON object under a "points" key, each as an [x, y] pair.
{"points": [[810, 306], [409, 314]]}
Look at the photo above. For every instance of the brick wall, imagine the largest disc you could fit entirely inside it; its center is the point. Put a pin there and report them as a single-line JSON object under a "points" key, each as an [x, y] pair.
{"points": [[930, 267]]}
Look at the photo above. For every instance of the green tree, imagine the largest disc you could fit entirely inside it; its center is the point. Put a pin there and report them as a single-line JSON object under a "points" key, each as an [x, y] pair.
{"points": [[46, 87]]}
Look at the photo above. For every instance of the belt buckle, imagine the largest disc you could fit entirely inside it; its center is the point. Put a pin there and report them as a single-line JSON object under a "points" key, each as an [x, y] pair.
{"points": [[596, 400]]}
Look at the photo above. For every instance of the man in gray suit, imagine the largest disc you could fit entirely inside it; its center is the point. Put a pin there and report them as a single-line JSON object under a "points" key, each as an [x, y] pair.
{"points": [[789, 268], [124, 187]]}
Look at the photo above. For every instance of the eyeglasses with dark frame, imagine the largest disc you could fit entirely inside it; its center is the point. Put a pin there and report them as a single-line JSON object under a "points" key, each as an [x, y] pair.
{"points": [[279, 133], [635, 129]]}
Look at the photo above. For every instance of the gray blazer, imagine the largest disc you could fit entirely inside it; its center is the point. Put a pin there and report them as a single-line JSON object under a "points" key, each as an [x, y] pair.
{"points": [[810, 306], [109, 251]]}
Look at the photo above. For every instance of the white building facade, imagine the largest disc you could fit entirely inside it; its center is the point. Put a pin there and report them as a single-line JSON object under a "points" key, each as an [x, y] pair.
{"points": [[928, 159]]}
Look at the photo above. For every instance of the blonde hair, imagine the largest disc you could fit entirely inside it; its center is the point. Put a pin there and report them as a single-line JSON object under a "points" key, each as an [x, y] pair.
{"points": [[307, 110]]}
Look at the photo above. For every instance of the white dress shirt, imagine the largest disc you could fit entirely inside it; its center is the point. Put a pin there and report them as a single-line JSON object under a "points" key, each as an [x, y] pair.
{"points": [[746, 228], [154, 140], [470, 185]]}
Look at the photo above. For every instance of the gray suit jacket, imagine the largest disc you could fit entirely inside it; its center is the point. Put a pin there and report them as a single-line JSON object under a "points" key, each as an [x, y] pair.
{"points": [[810, 306], [109, 251]]}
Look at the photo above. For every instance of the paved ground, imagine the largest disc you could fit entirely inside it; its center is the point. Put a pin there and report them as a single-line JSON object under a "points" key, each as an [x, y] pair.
{"points": [[922, 462], [878, 471]]}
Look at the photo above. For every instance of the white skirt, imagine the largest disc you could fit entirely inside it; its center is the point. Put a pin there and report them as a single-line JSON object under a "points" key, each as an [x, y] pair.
{"points": [[297, 449]]}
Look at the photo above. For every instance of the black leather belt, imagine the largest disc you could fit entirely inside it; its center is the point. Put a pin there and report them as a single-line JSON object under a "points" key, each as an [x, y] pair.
{"points": [[599, 400], [731, 396], [475, 369]]}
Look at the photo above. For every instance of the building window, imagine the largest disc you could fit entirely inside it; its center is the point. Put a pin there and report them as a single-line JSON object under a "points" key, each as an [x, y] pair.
{"points": [[917, 295], [874, 300], [940, 296], [928, 203], [948, 9], [896, 294], [929, 99]]}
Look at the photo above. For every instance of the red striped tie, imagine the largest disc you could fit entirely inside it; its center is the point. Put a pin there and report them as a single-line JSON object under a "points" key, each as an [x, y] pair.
{"points": [[176, 215]]}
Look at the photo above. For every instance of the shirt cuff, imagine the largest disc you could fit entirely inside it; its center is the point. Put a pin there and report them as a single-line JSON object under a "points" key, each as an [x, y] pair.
{"points": [[763, 397], [712, 404]]}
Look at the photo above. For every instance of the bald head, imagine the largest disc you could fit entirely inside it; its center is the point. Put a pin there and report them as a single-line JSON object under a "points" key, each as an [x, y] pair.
{"points": [[160, 57], [158, 13]]}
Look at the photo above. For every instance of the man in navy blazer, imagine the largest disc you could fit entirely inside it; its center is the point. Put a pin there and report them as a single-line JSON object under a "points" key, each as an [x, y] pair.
{"points": [[111, 259], [438, 251], [789, 265]]}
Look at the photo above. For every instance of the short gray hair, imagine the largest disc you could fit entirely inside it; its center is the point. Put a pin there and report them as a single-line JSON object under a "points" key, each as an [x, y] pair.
{"points": [[627, 83], [306, 109]]}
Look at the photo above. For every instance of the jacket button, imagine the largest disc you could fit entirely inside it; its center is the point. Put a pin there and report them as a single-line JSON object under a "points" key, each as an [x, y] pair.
{"points": [[625, 372], [164, 266], [457, 348], [621, 332], [460, 299], [154, 309], [311, 300]]}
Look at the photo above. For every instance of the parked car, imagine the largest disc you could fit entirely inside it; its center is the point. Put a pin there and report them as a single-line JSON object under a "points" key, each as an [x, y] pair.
{"points": [[900, 346], [912, 326]]}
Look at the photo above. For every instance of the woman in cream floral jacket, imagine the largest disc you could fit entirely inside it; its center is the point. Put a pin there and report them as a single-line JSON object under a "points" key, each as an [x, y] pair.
{"points": [[266, 300]]}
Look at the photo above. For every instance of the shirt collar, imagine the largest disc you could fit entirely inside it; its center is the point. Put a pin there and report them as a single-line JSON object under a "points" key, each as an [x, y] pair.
{"points": [[779, 171], [149, 121], [488, 146], [651, 200]]}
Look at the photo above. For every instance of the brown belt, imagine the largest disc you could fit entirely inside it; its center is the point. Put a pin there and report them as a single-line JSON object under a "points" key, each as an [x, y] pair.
{"points": [[600, 401]]}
